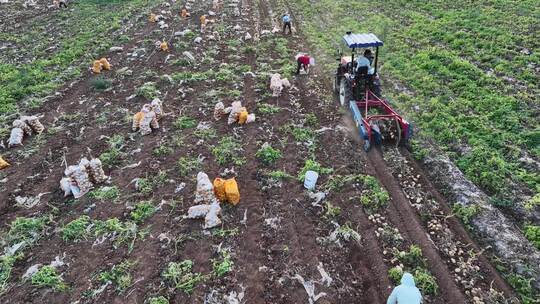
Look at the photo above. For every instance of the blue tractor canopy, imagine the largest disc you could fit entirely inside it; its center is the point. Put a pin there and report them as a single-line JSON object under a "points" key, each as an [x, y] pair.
{"points": [[361, 41]]}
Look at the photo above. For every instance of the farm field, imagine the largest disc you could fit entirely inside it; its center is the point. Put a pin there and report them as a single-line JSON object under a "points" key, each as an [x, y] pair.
{"points": [[466, 77]]}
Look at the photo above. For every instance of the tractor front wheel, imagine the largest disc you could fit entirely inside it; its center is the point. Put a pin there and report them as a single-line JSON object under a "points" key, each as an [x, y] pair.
{"points": [[345, 92], [336, 84], [366, 145]]}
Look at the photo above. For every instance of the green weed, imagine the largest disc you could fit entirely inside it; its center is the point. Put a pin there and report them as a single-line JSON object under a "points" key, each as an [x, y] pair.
{"points": [[412, 258], [465, 213], [162, 150], [142, 211], [158, 300], [225, 232], [228, 151], [119, 275], [124, 232], [425, 281], [279, 175], [347, 233], [109, 194], [331, 211], [148, 90], [100, 83], [6, 266], [267, 154], [312, 165], [532, 232], [395, 274], [524, 288], [77, 229], [47, 276], [25, 229], [222, 266], [265, 108], [113, 155], [185, 122], [148, 184], [373, 196], [187, 165], [180, 276], [205, 134]]}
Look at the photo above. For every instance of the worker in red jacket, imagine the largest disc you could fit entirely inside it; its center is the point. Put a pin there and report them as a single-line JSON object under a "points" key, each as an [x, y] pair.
{"points": [[303, 61]]}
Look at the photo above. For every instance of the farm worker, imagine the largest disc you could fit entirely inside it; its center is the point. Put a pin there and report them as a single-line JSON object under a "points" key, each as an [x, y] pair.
{"points": [[184, 13], [406, 293], [203, 23], [286, 23], [303, 61], [60, 3], [365, 61]]}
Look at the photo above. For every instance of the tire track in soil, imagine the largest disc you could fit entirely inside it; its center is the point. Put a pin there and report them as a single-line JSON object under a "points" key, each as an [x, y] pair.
{"points": [[455, 225], [404, 217]]}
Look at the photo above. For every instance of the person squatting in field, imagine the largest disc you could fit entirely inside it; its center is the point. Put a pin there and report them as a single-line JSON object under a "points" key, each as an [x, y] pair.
{"points": [[406, 293]]}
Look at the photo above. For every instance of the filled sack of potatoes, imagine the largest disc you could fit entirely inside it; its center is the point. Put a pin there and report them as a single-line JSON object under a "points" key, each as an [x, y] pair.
{"points": [[231, 191]]}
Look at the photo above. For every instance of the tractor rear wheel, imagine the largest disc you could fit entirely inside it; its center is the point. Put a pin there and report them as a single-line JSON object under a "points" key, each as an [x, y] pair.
{"points": [[345, 92]]}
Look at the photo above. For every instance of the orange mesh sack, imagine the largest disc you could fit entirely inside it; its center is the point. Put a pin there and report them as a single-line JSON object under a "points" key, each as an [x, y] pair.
{"points": [[137, 118], [96, 68], [243, 116], [231, 191], [219, 189], [3, 164], [105, 63]]}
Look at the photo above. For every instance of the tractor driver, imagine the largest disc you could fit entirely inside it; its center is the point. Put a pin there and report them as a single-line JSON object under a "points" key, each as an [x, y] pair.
{"points": [[365, 61]]}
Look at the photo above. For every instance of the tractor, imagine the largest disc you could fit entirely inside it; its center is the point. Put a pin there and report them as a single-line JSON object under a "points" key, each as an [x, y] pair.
{"points": [[359, 88]]}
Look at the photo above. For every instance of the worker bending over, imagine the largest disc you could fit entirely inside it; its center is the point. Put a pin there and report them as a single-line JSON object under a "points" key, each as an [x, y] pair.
{"points": [[304, 61], [406, 293]]}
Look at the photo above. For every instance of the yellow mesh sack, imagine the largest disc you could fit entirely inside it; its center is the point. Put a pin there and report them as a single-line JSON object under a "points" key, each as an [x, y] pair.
{"points": [[219, 189], [96, 68], [203, 20], [231, 191], [105, 63], [164, 46], [243, 116], [3, 164], [152, 17]]}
